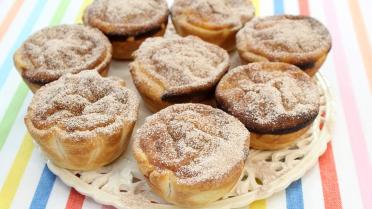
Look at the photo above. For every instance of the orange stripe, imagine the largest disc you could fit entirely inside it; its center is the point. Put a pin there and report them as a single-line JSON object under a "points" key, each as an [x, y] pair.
{"points": [[362, 37], [75, 200], [12, 12], [328, 174], [304, 7]]}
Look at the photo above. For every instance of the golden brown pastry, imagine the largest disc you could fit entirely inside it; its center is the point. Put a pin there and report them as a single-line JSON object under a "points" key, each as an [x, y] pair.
{"points": [[54, 51], [82, 121], [215, 21], [177, 70], [127, 23], [299, 40], [277, 102], [191, 154]]}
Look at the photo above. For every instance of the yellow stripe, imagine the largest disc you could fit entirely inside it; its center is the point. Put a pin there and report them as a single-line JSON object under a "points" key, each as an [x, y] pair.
{"points": [[256, 4], [259, 204], [82, 8], [16, 172]]}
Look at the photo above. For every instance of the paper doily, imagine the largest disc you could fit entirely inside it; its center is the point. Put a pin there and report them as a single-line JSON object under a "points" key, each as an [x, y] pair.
{"points": [[266, 172]]}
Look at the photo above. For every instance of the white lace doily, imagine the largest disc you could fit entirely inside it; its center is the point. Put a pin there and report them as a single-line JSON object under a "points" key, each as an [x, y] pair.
{"points": [[266, 172]]}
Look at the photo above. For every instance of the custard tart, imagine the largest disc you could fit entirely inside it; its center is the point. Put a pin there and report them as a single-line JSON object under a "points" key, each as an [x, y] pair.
{"points": [[177, 70], [277, 102], [127, 23], [191, 154], [55, 51], [82, 121], [215, 21], [294, 39]]}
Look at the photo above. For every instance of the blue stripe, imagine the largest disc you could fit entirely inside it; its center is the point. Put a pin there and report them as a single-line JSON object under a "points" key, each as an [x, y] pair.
{"points": [[26, 31], [43, 190], [294, 196], [278, 7]]}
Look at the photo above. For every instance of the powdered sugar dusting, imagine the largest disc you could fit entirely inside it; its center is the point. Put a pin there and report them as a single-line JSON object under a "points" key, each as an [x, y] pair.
{"points": [[219, 12], [280, 35], [65, 49], [83, 105], [125, 14], [197, 142], [265, 93], [182, 62]]}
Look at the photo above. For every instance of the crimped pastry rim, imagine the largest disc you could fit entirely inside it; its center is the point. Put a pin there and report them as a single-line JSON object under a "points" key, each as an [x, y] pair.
{"points": [[61, 133]]}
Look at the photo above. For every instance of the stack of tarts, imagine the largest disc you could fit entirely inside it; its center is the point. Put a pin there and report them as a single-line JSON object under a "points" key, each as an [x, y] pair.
{"points": [[190, 153]]}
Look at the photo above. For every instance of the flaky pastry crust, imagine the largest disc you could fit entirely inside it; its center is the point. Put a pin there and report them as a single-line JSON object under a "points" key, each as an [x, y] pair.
{"points": [[184, 151], [82, 121]]}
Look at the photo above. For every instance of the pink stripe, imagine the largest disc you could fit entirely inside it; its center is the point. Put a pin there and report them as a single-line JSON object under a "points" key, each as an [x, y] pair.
{"points": [[356, 136]]}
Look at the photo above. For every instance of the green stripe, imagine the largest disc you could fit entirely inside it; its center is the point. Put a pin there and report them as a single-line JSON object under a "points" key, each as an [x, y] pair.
{"points": [[19, 97], [60, 12], [12, 112]]}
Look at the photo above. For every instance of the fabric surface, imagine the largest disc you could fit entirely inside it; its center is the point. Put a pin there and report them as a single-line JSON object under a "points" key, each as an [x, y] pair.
{"points": [[341, 179]]}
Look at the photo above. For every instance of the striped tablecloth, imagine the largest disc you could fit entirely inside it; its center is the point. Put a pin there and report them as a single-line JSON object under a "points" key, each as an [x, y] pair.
{"points": [[341, 179]]}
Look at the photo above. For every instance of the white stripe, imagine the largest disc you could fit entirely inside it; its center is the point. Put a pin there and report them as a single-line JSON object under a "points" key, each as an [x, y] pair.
{"points": [[277, 201], [5, 6], [58, 196], [266, 8], [345, 167], [312, 189], [72, 13], [291, 7], [91, 204]]}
